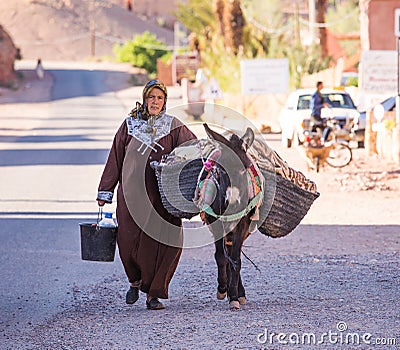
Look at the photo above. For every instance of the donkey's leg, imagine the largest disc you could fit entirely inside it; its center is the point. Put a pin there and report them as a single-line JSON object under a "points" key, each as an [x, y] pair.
{"points": [[234, 267], [241, 292], [235, 263], [222, 262], [234, 270]]}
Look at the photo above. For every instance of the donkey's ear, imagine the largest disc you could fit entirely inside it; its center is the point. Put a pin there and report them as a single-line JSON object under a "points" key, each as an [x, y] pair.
{"points": [[215, 136], [248, 138]]}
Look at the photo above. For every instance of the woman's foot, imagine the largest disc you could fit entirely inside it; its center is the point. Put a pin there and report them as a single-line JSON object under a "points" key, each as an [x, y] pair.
{"points": [[154, 304], [132, 295]]}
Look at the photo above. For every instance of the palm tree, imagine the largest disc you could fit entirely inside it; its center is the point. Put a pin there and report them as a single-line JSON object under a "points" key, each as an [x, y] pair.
{"points": [[321, 6], [230, 23]]}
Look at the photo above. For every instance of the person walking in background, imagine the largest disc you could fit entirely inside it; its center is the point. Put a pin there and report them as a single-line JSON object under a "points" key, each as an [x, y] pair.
{"points": [[316, 104], [149, 238], [39, 69]]}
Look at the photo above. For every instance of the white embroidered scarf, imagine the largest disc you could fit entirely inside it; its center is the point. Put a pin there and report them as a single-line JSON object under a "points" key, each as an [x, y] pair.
{"points": [[148, 132]]}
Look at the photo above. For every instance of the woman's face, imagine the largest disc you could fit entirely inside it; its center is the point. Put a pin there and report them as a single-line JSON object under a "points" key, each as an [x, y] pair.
{"points": [[155, 101]]}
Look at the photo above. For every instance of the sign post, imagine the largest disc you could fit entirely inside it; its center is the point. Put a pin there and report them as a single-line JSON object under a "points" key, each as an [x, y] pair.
{"points": [[397, 129], [397, 35], [397, 22], [264, 76]]}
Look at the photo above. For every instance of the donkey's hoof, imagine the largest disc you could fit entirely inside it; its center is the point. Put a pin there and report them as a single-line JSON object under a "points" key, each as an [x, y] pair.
{"points": [[221, 296], [234, 305], [242, 300]]}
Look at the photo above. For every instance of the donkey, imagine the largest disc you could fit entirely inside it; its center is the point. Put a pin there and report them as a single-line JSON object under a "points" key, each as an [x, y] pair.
{"points": [[229, 201]]}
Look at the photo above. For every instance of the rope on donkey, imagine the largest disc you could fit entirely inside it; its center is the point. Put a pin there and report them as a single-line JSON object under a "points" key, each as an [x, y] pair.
{"points": [[251, 262]]}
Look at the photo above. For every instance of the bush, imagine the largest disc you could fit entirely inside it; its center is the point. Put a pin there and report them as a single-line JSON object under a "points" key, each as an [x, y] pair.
{"points": [[142, 51]]}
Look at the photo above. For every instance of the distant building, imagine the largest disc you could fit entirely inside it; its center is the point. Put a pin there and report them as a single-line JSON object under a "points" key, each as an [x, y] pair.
{"points": [[377, 24]]}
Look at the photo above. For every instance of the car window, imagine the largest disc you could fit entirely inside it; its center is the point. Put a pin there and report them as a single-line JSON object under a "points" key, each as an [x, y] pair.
{"points": [[304, 102], [339, 100]]}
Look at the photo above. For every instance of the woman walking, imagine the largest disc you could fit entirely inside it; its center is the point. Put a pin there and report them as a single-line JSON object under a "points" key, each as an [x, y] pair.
{"points": [[149, 238]]}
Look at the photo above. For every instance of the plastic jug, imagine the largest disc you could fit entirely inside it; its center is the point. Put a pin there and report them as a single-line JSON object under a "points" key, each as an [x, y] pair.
{"points": [[107, 221]]}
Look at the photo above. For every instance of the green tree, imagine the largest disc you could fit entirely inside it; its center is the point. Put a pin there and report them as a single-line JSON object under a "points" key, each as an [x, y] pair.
{"points": [[232, 23], [267, 32], [142, 51], [198, 18], [205, 20], [282, 38]]}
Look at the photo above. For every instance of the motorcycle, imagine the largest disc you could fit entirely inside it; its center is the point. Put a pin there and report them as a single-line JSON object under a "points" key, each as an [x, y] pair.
{"points": [[323, 147], [341, 125]]}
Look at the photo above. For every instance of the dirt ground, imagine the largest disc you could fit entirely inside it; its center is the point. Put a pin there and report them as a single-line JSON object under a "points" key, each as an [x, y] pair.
{"points": [[335, 277], [66, 35]]}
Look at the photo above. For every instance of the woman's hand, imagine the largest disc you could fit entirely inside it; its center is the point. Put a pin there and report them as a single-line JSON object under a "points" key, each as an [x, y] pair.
{"points": [[100, 203]]}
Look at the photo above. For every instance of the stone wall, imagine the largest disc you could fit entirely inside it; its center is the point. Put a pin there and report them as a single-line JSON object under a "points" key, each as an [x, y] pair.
{"points": [[8, 54]]}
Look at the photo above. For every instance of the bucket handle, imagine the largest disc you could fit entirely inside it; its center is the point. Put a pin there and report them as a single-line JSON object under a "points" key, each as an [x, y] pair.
{"points": [[99, 218], [99, 214]]}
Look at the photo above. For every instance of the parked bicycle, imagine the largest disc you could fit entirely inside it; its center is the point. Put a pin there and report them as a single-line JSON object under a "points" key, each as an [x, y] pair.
{"points": [[336, 153]]}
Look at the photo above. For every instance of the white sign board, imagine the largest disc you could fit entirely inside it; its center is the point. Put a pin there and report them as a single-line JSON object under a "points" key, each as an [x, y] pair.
{"points": [[397, 22], [265, 76], [379, 72]]}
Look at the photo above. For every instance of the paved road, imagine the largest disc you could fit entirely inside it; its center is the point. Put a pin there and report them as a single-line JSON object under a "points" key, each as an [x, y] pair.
{"points": [[340, 265], [50, 163], [51, 158]]}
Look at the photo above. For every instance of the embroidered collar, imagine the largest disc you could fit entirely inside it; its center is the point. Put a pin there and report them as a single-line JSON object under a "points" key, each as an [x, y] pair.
{"points": [[148, 132]]}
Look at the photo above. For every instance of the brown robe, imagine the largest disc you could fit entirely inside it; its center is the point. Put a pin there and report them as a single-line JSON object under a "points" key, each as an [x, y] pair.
{"points": [[149, 238]]}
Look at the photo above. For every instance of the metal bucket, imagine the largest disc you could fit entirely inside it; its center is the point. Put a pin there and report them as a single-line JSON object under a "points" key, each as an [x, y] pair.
{"points": [[97, 243]]}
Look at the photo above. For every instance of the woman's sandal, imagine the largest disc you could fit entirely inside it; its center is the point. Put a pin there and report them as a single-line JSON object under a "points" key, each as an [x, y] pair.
{"points": [[132, 295]]}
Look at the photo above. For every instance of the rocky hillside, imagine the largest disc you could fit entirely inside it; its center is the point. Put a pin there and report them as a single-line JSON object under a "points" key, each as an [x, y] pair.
{"points": [[60, 29], [8, 53]]}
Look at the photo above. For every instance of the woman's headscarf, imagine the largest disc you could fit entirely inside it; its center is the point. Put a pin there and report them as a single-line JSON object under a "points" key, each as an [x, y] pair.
{"points": [[140, 111]]}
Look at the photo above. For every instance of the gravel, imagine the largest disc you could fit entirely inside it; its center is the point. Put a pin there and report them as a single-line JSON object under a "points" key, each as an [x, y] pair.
{"points": [[314, 281]]}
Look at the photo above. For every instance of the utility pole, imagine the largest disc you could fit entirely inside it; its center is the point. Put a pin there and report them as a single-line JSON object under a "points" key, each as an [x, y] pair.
{"points": [[92, 39], [311, 20], [92, 30], [397, 127], [321, 9], [175, 53], [369, 136]]}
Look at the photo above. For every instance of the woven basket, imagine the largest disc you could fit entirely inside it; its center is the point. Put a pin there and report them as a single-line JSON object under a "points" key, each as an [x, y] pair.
{"points": [[284, 206], [178, 182]]}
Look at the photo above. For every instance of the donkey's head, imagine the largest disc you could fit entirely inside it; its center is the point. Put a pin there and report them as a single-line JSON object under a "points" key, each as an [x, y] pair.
{"points": [[230, 172]]}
